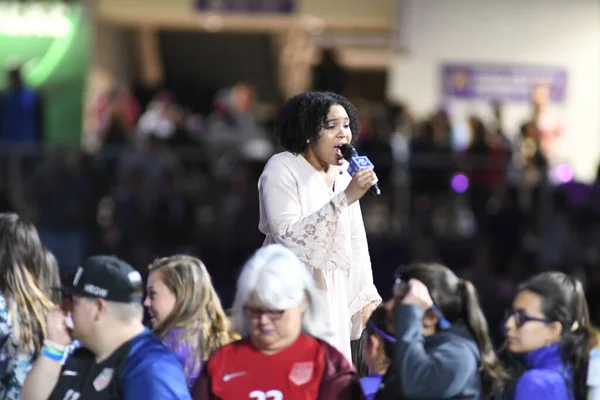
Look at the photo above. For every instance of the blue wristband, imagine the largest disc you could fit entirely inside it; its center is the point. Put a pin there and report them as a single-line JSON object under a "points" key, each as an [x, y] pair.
{"points": [[52, 354]]}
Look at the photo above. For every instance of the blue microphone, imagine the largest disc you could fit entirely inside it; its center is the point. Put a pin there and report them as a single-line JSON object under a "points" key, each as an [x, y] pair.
{"points": [[356, 163]]}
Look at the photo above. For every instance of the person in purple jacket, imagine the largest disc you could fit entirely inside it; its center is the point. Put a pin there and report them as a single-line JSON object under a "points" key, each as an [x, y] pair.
{"points": [[186, 312], [548, 326]]}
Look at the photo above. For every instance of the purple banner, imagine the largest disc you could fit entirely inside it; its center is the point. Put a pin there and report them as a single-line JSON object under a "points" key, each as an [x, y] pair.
{"points": [[501, 82], [245, 6]]}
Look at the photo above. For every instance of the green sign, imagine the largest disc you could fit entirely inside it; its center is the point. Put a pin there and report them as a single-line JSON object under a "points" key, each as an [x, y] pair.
{"points": [[51, 41]]}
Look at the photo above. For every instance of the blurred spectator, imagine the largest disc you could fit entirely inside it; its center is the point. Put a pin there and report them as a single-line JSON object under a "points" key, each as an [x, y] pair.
{"points": [[151, 159], [498, 131], [329, 75], [431, 165], [63, 193], [547, 122], [558, 248], [486, 173], [143, 174], [174, 218], [233, 128], [507, 224], [161, 117], [114, 116], [20, 111]]}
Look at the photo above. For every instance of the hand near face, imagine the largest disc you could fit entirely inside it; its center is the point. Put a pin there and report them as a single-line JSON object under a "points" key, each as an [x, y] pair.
{"points": [[58, 327], [418, 295], [367, 311]]}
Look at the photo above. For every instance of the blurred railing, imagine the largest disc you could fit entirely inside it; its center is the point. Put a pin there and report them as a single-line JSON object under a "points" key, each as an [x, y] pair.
{"points": [[223, 185], [428, 211]]}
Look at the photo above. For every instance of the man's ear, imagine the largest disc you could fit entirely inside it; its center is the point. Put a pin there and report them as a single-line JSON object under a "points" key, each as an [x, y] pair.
{"points": [[101, 308]]}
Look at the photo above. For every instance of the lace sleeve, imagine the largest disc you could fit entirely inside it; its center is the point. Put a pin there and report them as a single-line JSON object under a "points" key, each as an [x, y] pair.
{"points": [[363, 290], [318, 239]]}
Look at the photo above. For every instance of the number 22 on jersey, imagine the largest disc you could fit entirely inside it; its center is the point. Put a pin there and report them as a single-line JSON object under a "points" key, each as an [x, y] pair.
{"points": [[270, 395]]}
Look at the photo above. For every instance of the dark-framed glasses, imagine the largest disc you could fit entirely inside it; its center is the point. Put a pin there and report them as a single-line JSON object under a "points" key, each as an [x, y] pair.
{"points": [[255, 312], [521, 317]]}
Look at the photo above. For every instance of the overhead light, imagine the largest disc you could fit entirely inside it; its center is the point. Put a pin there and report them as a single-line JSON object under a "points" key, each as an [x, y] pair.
{"points": [[38, 19]]}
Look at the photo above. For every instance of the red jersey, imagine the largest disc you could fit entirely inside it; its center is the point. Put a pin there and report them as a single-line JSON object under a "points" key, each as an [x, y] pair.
{"points": [[309, 369]]}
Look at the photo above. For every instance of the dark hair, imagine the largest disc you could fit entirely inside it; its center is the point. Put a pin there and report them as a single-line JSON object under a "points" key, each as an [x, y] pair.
{"points": [[479, 130], [378, 325], [302, 117], [563, 301], [457, 300]]}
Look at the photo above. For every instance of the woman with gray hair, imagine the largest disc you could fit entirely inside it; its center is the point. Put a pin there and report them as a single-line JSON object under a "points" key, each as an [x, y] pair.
{"points": [[283, 352]]}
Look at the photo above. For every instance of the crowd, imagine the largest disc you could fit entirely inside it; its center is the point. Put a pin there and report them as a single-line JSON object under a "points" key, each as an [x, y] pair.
{"points": [[86, 338], [289, 332]]}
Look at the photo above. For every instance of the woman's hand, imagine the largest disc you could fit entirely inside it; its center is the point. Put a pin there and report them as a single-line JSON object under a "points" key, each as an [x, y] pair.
{"points": [[367, 311], [360, 183], [418, 295], [58, 327]]}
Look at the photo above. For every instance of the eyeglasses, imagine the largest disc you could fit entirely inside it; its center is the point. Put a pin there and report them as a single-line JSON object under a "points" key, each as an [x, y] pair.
{"points": [[401, 282], [273, 315], [521, 317]]}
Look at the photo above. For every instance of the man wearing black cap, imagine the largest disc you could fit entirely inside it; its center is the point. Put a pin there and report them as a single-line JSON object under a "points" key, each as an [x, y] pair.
{"points": [[120, 359]]}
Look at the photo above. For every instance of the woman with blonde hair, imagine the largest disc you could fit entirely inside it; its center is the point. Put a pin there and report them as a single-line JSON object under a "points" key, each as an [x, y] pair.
{"points": [[24, 306], [186, 312]]}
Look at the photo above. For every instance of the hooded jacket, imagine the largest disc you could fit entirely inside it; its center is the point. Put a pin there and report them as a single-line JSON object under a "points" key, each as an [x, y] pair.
{"points": [[441, 366]]}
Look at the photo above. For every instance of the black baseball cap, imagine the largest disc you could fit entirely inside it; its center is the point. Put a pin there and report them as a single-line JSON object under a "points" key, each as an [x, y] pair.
{"points": [[109, 278]]}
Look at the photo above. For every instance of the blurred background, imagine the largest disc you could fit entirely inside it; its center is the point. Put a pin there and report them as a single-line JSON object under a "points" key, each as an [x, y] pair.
{"points": [[140, 127]]}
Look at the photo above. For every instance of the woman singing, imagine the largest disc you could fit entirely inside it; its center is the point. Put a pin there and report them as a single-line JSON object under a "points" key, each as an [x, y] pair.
{"points": [[309, 203]]}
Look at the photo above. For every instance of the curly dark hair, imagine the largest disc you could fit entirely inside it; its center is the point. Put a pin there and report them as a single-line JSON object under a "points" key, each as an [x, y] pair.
{"points": [[302, 117]]}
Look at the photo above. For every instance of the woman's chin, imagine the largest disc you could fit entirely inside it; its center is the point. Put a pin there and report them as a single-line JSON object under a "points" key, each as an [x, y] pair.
{"points": [[513, 348]]}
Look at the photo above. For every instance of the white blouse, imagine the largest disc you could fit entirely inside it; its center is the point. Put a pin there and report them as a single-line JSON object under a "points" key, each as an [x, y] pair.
{"points": [[300, 211]]}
